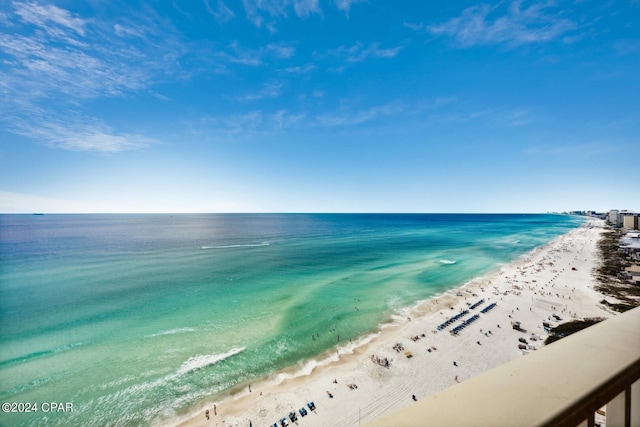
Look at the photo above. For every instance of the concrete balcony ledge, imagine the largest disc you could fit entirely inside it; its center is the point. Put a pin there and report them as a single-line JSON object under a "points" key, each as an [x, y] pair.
{"points": [[561, 384]]}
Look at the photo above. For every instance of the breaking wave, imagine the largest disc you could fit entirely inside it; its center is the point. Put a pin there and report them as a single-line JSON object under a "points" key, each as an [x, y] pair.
{"points": [[251, 245], [447, 262], [171, 332], [204, 360]]}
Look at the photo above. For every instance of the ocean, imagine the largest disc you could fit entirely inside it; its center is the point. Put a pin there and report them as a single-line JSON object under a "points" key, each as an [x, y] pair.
{"points": [[135, 319]]}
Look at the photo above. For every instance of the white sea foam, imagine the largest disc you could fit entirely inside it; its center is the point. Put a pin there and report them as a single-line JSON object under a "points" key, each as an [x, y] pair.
{"points": [[204, 360], [250, 245], [171, 332], [307, 367], [447, 261]]}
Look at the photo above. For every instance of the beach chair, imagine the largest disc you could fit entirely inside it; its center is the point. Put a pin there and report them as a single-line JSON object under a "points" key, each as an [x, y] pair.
{"points": [[311, 406], [408, 354], [302, 411]]}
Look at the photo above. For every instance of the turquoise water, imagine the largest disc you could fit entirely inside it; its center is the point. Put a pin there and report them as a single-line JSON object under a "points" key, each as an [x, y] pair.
{"points": [[136, 318]]}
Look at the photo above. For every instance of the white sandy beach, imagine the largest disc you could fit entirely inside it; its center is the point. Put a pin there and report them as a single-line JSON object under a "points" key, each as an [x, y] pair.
{"points": [[552, 280]]}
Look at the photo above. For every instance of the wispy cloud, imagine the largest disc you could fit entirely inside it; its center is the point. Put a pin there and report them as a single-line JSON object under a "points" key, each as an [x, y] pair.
{"points": [[485, 24], [261, 122], [300, 69], [627, 47], [267, 12], [510, 117], [358, 52], [49, 17], [268, 91], [75, 133], [242, 55], [415, 27], [220, 11], [305, 8], [246, 125], [354, 118], [281, 51], [52, 61], [589, 149], [345, 5]]}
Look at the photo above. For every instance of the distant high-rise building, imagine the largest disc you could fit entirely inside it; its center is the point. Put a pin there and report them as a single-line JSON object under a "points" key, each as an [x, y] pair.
{"points": [[614, 217], [631, 221]]}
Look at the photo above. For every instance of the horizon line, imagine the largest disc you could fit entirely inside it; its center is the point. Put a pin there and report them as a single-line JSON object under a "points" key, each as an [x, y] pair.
{"points": [[297, 213]]}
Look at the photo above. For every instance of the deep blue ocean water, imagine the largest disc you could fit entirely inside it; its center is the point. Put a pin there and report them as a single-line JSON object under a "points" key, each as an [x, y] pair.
{"points": [[135, 318]]}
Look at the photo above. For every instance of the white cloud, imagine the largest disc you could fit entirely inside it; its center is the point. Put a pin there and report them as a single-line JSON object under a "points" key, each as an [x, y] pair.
{"points": [[260, 122], [520, 25], [246, 125], [414, 27], [255, 57], [76, 133], [348, 118], [52, 62], [268, 12], [280, 50], [44, 16], [345, 5], [124, 31], [627, 46], [268, 91], [305, 8], [510, 117], [221, 12], [587, 149], [300, 70], [358, 52]]}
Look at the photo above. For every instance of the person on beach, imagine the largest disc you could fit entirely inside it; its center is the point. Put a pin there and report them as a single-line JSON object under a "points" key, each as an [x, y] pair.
{"points": [[206, 413], [214, 410], [413, 396]]}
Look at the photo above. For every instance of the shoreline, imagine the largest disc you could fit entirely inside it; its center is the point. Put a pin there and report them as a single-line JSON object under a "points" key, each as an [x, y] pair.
{"points": [[381, 390]]}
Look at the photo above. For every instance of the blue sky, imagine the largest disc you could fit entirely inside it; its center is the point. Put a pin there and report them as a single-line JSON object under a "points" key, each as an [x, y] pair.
{"points": [[319, 106]]}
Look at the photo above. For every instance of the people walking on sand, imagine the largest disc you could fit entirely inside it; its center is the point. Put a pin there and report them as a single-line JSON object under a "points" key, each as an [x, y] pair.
{"points": [[214, 410], [206, 413]]}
